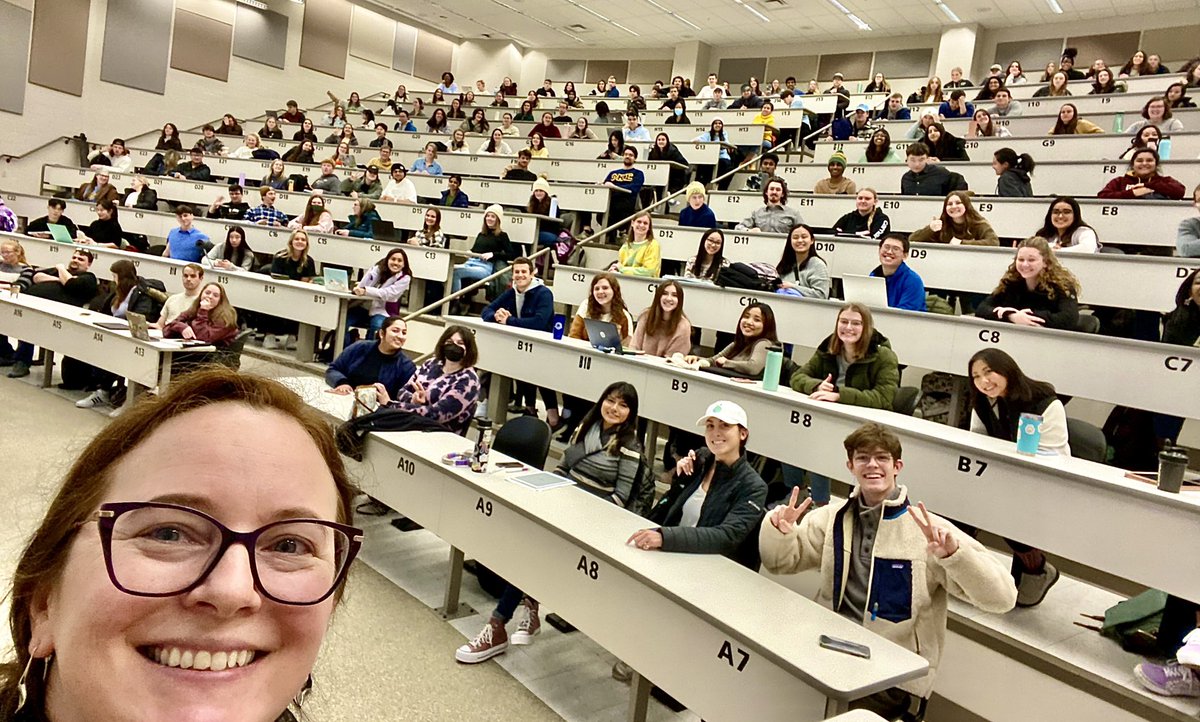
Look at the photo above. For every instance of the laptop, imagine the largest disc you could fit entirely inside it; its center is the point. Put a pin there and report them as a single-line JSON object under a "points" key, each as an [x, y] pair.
{"points": [[336, 279], [59, 233], [138, 328], [868, 290], [383, 230], [603, 335]]}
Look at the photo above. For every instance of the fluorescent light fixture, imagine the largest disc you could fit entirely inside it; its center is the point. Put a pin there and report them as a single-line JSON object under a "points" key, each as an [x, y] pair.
{"points": [[588, 10], [858, 21], [619, 25], [1055, 6], [841, 8], [762, 17], [948, 12], [254, 4], [675, 15]]}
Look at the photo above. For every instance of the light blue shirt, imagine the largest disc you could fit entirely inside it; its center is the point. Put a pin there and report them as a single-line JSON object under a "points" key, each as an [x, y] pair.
{"points": [[183, 244], [639, 133], [420, 166]]}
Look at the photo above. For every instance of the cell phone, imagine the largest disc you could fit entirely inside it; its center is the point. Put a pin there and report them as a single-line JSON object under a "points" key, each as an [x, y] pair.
{"points": [[845, 646], [510, 465]]}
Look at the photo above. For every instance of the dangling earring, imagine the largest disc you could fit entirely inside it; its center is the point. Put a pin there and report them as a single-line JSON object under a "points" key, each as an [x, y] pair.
{"points": [[22, 688], [302, 695]]}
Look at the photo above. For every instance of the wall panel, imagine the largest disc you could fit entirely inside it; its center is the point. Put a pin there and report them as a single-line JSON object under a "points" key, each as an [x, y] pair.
{"points": [[597, 69], [404, 48], [58, 45], [913, 63], [260, 36], [802, 67], [1115, 48], [737, 71], [201, 45], [850, 65], [137, 44], [325, 36], [561, 71], [434, 56], [372, 37], [647, 71], [1174, 45], [15, 26]]}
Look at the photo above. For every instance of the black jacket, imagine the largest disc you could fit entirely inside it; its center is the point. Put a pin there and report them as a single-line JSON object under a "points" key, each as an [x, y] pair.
{"points": [[855, 223], [1061, 312], [729, 518], [147, 298], [935, 180], [1183, 325], [146, 199], [76, 292], [1014, 183]]}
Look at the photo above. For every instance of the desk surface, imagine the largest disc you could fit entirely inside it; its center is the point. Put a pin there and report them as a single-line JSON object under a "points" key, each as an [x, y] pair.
{"points": [[688, 607]]}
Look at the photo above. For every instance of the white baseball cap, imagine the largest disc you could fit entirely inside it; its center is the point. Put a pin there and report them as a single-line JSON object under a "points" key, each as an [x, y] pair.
{"points": [[726, 411]]}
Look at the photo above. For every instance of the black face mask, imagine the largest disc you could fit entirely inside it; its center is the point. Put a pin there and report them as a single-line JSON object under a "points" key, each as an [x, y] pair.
{"points": [[453, 352]]}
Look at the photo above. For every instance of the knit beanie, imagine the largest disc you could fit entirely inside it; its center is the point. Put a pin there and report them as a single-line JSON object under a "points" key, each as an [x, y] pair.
{"points": [[542, 184], [693, 188], [838, 157], [499, 210]]}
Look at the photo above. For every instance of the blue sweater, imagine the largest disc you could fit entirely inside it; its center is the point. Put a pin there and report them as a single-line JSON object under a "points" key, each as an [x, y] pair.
{"points": [[703, 218], [393, 376], [905, 289], [537, 313]]}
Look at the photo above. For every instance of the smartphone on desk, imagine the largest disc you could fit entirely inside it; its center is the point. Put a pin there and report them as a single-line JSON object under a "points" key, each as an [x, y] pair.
{"points": [[845, 646]]}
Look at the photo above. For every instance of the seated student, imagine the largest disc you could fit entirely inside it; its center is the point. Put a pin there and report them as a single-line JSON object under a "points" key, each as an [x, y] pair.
{"points": [[234, 254], [1069, 122], [854, 365], [116, 156], [12, 263], [1036, 290], [40, 227], [106, 229], [767, 165], [664, 150], [276, 176], [453, 196], [140, 195], [895, 109], [307, 132], [492, 244], [943, 145], [1106, 84], [1157, 112], [271, 129], [714, 134], [958, 106], [211, 319], [185, 243], [959, 224], [916, 131], [866, 219], [1143, 180], [191, 278], [97, 189], [1005, 107], [925, 177], [378, 360], [316, 217], [495, 144], [802, 271], [384, 160], [837, 183], [430, 234], [1000, 394], [361, 223], [1187, 238], [294, 264], [709, 258], [246, 150], [604, 303], [905, 289], [364, 185], [1065, 230], [400, 188], [303, 153], [266, 214], [663, 329], [328, 181], [344, 135], [880, 150], [520, 170], [640, 253], [1177, 97], [774, 216], [235, 210], [71, 283], [427, 164], [747, 355], [383, 283], [546, 128], [882, 589], [444, 391], [1013, 171], [604, 458], [1056, 89], [543, 203]]}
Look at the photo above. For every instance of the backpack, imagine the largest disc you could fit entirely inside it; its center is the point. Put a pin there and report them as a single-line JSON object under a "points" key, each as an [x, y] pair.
{"points": [[944, 399], [352, 435], [1132, 444], [750, 276], [567, 251], [1133, 623]]}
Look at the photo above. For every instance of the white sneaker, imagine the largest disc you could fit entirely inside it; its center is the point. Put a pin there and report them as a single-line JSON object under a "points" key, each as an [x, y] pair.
{"points": [[289, 342], [271, 342], [117, 411], [1189, 653], [98, 397]]}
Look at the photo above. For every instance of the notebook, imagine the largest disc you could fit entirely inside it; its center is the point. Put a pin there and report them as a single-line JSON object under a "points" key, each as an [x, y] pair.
{"points": [[868, 290], [59, 233]]}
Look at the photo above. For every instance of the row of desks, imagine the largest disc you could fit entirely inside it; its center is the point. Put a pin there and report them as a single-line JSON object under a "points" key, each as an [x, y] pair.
{"points": [[1130, 103], [1140, 374], [1146, 282], [1107, 146], [1029, 125], [1077, 509]]}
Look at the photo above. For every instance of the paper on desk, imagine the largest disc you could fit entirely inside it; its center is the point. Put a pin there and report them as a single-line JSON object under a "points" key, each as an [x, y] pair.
{"points": [[540, 480]]}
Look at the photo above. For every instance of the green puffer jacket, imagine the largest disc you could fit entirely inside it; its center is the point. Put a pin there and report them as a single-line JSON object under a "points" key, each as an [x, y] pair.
{"points": [[871, 381]]}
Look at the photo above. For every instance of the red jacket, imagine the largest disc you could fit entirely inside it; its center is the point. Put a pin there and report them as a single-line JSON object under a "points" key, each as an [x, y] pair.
{"points": [[205, 330], [1164, 184], [547, 132]]}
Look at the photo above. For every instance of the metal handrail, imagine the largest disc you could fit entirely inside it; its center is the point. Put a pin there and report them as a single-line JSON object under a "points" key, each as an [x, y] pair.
{"points": [[10, 157]]}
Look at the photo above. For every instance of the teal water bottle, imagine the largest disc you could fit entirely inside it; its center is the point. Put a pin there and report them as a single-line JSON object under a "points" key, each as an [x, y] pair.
{"points": [[1164, 149], [1119, 123], [1029, 433], [770, 380]]}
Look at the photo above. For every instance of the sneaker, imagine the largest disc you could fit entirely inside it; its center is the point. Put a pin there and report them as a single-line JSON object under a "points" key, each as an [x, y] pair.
{"points": [[490, 641], [1189, 654], [622, 672], [289, 343], [271, 342], [1169, 680], [530, 626], [1033, 587], [99, 397], [117, 411], [19, 370]]}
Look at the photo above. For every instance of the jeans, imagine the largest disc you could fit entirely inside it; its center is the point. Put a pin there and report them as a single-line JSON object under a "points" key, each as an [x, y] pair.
{"points": [[474, 269], [510, 599], [546, 238], [793, 476], [361, 317]]}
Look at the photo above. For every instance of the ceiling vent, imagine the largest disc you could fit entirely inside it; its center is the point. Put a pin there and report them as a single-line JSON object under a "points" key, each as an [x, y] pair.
{"points": [[772, 6], [577, 28]]}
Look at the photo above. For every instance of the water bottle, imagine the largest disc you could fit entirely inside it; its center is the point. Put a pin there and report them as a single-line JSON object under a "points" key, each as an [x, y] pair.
{"points": [[483, 447], [1172, 462], [1164, 149], [560, 325], [1029, 433], [770, 380], [1119, 123]]}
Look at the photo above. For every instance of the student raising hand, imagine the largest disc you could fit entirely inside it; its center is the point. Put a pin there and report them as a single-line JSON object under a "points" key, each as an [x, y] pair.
{"points": [[785, 516], [941, 542]]}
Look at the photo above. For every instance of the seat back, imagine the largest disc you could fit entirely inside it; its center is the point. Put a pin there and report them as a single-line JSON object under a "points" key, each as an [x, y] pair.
{"points": [[905, 400], [526, 439], [1087, 441]]}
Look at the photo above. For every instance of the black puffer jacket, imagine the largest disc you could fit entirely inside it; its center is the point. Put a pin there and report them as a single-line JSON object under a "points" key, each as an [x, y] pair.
{"points": [[147, 298], [729, 518]]}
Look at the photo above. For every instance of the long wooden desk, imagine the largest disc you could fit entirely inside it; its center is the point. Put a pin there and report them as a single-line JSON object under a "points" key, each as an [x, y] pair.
{"points": [[1030, 125], [1114, 221], [1145, 282], [1141, 374], [311, 305], [1129, 103], [705, 629], [819, 103], [1105, 146], [1080, 510], [72, 331], [1050, 178]]}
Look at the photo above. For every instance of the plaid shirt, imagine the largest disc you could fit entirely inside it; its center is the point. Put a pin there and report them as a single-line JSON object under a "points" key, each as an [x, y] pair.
{"points": [[267, 213]]}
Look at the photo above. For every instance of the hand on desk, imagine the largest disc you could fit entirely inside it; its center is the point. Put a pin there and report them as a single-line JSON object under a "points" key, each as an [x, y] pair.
{"points": [[188, 334], [941, 542], [827, 384], [343, 390], [785, 516], [502, 316], [1025, 317], [832, 396], [646, 539]]}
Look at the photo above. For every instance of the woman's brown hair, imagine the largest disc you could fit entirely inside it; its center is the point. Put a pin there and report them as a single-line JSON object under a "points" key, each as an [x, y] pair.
{"points": [[223, 313], [125, 279], [42, 562], [1054, 280], [659, 323], [617, 308], [868, 330], [973, 223]]}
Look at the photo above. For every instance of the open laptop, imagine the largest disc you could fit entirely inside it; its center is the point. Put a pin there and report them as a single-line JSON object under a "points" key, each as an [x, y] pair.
{"points": [[868, 290], [59, 233], [138, 328], [336, 279], [603, 335], [383, 230]]}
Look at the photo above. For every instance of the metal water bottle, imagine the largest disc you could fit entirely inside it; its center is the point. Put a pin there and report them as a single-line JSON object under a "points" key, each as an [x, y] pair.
{"points": [[1164, 149], [483, 447], [770, 379]]}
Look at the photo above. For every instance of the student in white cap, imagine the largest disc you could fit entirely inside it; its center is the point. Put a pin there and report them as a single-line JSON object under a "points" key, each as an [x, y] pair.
{"points": [[716, 498]]}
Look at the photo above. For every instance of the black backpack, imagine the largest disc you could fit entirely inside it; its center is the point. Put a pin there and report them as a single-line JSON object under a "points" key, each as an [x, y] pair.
{"points": [[750, 276]]}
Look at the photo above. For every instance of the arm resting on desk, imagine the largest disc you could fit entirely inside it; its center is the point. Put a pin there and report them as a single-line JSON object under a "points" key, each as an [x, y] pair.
{"points": [[728, 536]]}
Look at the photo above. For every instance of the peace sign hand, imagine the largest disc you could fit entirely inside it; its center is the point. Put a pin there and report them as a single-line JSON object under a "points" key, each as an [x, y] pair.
{"points": [[941, 542], [785, 516]]}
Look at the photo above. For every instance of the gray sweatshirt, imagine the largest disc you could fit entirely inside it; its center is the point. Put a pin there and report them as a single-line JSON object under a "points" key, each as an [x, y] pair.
{"points": [[1187, 241]]}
